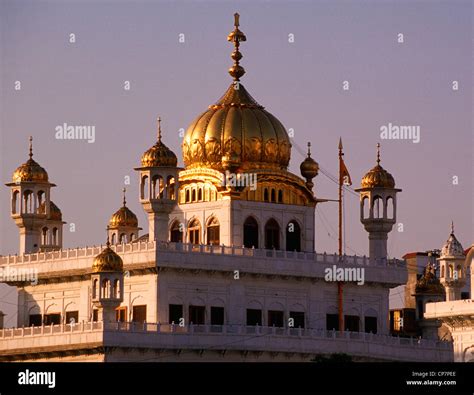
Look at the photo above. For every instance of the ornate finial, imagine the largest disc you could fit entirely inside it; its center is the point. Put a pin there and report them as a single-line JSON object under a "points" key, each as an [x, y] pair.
{"points": [[108, 241], [159, 129], [452, 227], [236, 36], [309, 149], [340, 144], [378, 153], [31, 147], [124, 201]]}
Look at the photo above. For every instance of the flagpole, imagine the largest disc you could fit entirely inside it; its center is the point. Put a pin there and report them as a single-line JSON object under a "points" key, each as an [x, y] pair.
{"points": [[339, 283]]}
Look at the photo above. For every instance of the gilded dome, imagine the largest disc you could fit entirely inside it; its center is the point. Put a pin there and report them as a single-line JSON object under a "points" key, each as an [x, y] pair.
{"points": [[452, 247], [309, 168], [236, 132], [54, 211], [378, 177], [107, 261], [123, 217], [429, 283], [159, 155], [30, 170]]}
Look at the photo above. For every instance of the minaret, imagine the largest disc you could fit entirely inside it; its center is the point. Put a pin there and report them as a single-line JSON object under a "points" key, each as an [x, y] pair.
{"points": [[30, 202], [123, 225], [158, 187], [107, 283], [378, 209], [452, 267]]}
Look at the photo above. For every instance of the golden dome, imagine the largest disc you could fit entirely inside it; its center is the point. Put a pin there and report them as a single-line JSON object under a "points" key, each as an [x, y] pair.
{"points": [[123, 217], [159, 155], [309, 167], [54, 211], [107, 261], [236, 132], [378, 177], [30, 170]]}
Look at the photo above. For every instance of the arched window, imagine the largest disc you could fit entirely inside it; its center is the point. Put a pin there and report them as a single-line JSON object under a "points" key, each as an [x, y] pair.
{"points": [[451, 271], [293, 236], [15, 202], [365, 207], [144, 188], [122, 238], [40, 195], [176, 235], [193, 195], [44, 236], [186, 194], [105, 288], [170, 185], [55, 236], [272, 235], [94, 289], [213, 232], [199, 194], [113, 238], [459, 271], [390, 208], [265, 195], [442, 271], [273, 196], [157, 187], [194, 230], [28, 202], [250, 233], [132, 237], [280, 196], [116, 289], [377, 207]]}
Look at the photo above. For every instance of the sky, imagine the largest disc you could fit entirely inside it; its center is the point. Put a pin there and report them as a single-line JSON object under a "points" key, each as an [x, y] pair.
{"points": [[300, 81]]}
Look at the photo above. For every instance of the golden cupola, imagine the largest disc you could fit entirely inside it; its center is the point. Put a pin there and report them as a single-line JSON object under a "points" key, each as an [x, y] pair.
{"points": [[309, 168], [123, 217], [107, 261], [236, 133], [159, 155], [378, 177], [30, 171]]}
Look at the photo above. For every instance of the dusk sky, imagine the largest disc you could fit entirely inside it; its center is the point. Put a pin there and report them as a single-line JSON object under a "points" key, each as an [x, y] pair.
{"points": [[300, 82]]}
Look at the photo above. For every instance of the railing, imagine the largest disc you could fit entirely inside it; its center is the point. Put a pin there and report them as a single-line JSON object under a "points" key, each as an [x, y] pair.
{"points": [[195, 330], [194, 248]]}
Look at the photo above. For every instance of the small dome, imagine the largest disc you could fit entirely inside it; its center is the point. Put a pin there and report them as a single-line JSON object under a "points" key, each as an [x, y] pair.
{"points": [[159, 155], [452, 247], [107, 261], [378, 177], [429, 283], [30, 170], [123, 216], [54, 211], [309, 167]]}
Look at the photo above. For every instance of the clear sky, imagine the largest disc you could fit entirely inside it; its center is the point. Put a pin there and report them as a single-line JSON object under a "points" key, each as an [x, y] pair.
{"points": [[300, 82]]}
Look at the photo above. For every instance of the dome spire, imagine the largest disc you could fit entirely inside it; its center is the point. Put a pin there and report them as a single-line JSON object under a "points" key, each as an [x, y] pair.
{"points": [[236, 36], [452, 227], [124, 200], [31, 147], [378, 153], [159, 129], [309, 149]]}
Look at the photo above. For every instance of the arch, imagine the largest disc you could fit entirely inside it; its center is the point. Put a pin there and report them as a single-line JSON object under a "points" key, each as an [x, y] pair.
{"points": [[186, 196], [213, 231], [15, 208], [116, 289], [197, 301], [113, 238], [176, 235], [105, 288], [377, 207], [217, 302], [144, 187], [44, 236], [28, 202], [131, 237], [251, 231], [170, 187], [276, 306], [122, 238], [193, 195], [365, 208], [451, 271], [199, 197], [265, 195], [40, 195], [157, 187], [442, 271], [390, 208], [459, 270], [272, 235], [280, 196], [273, 196], [254, 304], [371, 313], [52, 307], [175, 300], [293, 236], [194, 231], [55, 236], [95, 285]]}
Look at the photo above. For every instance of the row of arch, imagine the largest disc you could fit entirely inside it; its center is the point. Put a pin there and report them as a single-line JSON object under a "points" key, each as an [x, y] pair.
{"points": [[29, 203], [251, 231], [161, 187], [49, 236], [380, 208], [122, 238], [108, 289], [198, 194]]}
